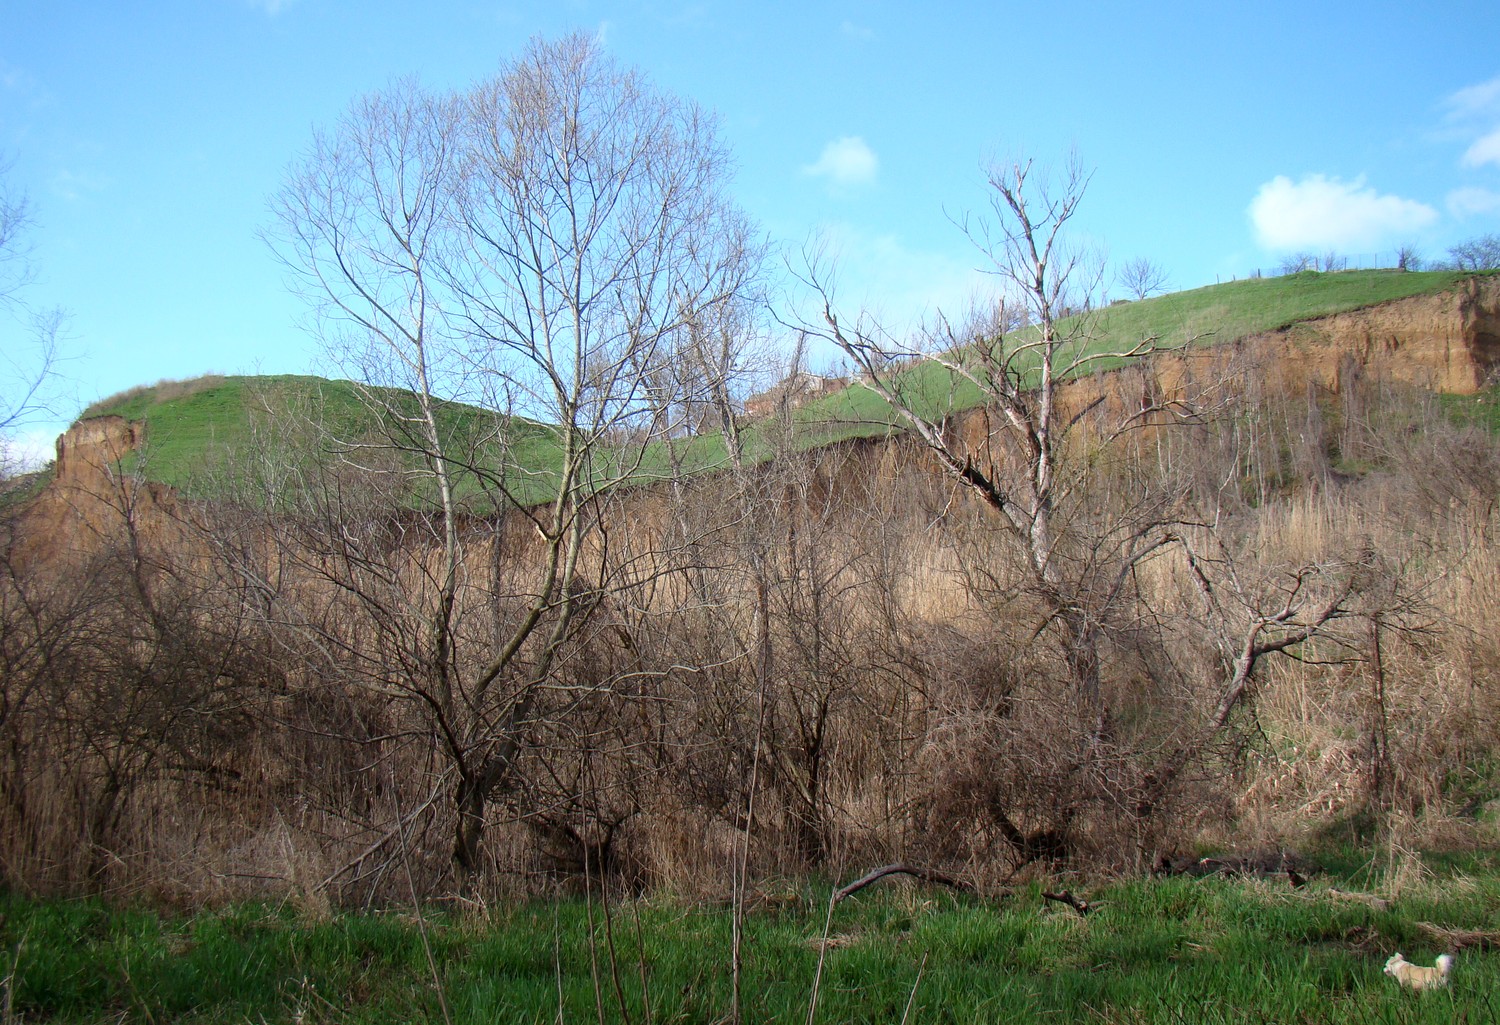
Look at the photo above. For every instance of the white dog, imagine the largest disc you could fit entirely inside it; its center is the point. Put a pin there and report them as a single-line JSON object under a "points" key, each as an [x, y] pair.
{"points": [[1417, 976]]}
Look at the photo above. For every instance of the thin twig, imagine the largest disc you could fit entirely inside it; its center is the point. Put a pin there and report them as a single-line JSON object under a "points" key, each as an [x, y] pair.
{"points": [[812, 1002], [911, 998]]}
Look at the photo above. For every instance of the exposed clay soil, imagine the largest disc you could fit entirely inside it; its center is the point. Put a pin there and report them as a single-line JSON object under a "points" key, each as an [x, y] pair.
{"points": [[1448, 342]]}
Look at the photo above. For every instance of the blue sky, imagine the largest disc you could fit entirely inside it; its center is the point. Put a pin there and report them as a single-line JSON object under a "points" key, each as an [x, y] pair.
{"points": [[149, 136]]}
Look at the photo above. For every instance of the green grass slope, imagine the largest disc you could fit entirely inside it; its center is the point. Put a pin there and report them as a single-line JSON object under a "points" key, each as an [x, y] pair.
{"points": [[1210, 315], [196, 429], [190, 426], [1221, 313]]}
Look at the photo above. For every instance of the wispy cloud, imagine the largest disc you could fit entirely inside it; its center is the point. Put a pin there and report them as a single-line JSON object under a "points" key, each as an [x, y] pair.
{"points": [[1320, 211], [12, 77], [271, 7], [845, 163], [1473, 114], [73, 185], [896, 285], [1473, 201], [1482, 101], [859, 33], [1485, 150]]}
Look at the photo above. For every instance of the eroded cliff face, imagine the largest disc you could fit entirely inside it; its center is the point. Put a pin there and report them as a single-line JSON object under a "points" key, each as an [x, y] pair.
{"points": [[1448, 342], [91, 495], [90, 447]]}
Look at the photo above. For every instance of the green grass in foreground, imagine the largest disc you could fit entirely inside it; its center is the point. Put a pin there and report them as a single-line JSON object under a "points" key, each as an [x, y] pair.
{"points": [[1157, 951]]}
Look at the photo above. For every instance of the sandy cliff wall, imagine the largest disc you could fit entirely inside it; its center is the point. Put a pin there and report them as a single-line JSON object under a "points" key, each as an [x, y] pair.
{"points": [[1448, 342], [90, 495], [91, 446]]}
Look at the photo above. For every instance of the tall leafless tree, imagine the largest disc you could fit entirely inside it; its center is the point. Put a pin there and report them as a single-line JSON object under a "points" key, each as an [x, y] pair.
{"points": [[546, 243], [1042, 461], [1018, 466]]}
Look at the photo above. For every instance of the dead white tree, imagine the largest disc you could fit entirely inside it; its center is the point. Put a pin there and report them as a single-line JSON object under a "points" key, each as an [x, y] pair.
{"points": [[994, 407], [1017, 464]]}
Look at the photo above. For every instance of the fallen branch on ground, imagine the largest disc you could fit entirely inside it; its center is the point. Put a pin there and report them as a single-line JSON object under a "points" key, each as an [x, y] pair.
{"points": [[1078, 904], [1462, 939], [1371, 901], [927, 875]]}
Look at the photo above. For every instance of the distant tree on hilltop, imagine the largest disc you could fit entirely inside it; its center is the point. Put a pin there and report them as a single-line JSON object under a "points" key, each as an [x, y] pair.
{"points": [[1142, 278], [1479, 253]]}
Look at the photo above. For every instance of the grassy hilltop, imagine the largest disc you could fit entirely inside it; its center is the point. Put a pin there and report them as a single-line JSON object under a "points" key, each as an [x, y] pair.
{"points": [[193, 425]]}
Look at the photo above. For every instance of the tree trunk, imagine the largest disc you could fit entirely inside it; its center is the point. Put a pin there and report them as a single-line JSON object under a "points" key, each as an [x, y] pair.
{"points": [[469, 830]]}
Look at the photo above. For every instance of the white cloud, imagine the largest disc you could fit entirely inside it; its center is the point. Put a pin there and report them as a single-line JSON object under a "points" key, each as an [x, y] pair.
{"points": [[25, 451], [859, 33], [1320, 212], [896, 285], [1474, 113], [1485, 150], [271, 7], [1475, 100], [1472, 200], [846, 163], [72, 185]]}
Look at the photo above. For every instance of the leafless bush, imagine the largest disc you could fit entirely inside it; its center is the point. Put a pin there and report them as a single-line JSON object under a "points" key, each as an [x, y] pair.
{"points": [[830, 658]]}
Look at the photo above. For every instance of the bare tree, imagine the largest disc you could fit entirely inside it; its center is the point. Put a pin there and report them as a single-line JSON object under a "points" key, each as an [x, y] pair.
{"points": [[1018, 468], [1296, 263], [29, 364], [1142, 278], [547, 243], [1043, 462], [1479, 253]]}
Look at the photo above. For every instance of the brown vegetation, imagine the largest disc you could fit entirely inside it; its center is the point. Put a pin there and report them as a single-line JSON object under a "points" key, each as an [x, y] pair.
{"points": [[797, 657]]}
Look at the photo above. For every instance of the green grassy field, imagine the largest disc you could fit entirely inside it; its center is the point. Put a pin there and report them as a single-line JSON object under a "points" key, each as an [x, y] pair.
{"points": [[191, 425], [1156, 951]]}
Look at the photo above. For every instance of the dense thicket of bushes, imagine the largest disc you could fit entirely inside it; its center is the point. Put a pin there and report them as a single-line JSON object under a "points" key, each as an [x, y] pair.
{"points": [[827, 661]]}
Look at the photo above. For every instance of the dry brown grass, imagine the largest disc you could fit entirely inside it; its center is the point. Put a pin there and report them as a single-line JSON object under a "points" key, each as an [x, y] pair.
{"points": [[906, 704], [164, 390]]}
